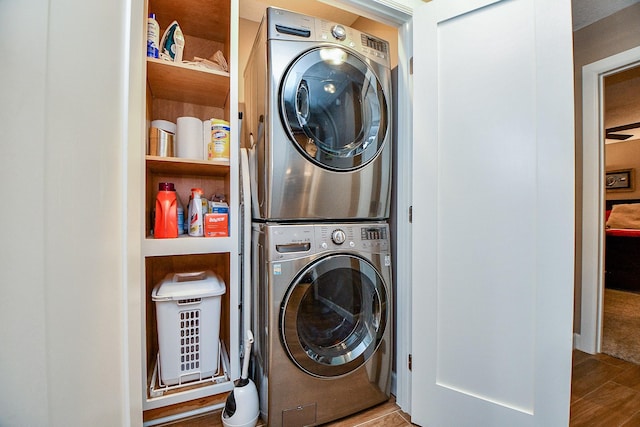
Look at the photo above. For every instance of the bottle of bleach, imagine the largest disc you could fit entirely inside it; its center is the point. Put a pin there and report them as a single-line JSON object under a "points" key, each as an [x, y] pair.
{"points": [[196, 220]]}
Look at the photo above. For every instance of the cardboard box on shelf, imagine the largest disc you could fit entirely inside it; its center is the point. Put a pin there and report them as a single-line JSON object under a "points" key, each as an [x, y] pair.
{"points": [[216, 225]]}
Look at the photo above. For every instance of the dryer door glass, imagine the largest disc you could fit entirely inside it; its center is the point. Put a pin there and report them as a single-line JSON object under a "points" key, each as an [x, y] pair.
{"points": [[334, 108], [334, 315]]}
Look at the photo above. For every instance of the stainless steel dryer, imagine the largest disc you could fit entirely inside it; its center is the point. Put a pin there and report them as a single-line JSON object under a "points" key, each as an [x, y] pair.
{"points": [[323, 318], [318, 100]]}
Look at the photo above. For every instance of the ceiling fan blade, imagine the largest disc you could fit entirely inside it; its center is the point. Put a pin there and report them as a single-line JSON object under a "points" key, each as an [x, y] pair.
{"points": [[610, 133], [617, 136], [623, 127]]}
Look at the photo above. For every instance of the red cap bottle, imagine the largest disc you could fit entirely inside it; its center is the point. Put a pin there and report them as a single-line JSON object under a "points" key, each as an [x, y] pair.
{"points": [[166, 222]]}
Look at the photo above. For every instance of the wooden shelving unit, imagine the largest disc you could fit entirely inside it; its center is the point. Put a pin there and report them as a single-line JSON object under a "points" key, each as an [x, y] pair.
{"points": [[184, 89]]}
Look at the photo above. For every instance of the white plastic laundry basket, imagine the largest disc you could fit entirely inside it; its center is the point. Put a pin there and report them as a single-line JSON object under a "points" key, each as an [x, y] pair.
{"points": [[188, 317]]}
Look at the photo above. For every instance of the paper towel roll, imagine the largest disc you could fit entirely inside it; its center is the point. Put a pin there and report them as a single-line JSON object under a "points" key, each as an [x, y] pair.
{"points": [[164, 125], [189, 138], [206, 138]]}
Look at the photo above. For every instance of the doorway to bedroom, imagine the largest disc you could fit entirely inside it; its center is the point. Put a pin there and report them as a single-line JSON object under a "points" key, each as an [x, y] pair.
{"points": [[621, 294]]}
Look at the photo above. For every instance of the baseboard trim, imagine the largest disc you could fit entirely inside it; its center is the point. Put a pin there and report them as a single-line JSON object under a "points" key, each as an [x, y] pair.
{"points": [[579, 344]]}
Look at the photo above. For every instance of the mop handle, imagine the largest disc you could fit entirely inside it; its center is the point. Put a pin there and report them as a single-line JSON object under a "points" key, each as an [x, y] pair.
{"points": [[247, 355]]}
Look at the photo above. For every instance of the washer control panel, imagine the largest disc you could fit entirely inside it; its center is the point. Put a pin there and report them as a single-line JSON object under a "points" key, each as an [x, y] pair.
{"points": [[295, 240], [338, 236], [373, 233], [339, 32], [369, 237]]}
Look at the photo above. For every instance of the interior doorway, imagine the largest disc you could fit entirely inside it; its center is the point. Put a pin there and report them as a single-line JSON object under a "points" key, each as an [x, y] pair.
{"points": [[594, 202], [621, 299]]}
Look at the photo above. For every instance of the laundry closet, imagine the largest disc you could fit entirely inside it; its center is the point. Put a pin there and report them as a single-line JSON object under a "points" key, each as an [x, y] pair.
{"points": [[201, 91], [464, 186]]}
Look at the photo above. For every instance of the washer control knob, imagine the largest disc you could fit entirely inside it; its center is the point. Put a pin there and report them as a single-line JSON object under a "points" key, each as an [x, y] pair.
{"points": [[339, 32], [338, 237]]}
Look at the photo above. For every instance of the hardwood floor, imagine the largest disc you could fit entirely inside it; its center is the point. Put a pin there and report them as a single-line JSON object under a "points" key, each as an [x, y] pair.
{"points": [[605, 391], [386, 414]]}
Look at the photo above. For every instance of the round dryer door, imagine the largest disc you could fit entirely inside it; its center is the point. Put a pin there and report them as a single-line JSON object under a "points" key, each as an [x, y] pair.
{"points": [[334, 108], [334, 315]]}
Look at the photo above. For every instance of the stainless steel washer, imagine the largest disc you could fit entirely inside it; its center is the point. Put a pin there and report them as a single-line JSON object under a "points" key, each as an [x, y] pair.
{"points": [[318, 98], [323, 318]]}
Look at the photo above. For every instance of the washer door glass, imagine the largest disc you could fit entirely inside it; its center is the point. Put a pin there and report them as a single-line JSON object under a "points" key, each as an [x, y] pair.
{"points": [[334, 315], [334, 108]]}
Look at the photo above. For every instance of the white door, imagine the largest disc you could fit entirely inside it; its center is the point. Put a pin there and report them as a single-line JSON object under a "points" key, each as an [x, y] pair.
{"points": [[493, 213]]}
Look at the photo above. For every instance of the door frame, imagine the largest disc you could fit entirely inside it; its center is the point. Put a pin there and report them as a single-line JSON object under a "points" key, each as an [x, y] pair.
{"points": [[590, 337]]}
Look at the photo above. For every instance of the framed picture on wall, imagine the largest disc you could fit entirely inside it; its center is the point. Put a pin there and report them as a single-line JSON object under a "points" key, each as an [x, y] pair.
{"points": [[619, 180]]}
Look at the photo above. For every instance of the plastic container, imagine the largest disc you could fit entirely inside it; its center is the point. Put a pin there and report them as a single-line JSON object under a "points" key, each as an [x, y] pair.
{"points": [[205, 205], [219, 145], [196, 214], [153, 36], [180, 218], [188, 316], [166, 212]]}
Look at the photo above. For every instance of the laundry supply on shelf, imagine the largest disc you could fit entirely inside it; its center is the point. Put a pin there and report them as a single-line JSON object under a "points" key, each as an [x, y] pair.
{"points": [[153, 36], [166, 212], [196, 214], [218, 146]]}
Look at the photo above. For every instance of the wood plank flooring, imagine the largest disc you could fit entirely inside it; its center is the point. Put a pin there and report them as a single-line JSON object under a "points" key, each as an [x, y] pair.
{"points": [[386, 414], [605, 392]]}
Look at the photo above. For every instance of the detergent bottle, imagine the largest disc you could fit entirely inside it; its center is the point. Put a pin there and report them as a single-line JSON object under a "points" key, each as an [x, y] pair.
{"points": [[166, 213]]}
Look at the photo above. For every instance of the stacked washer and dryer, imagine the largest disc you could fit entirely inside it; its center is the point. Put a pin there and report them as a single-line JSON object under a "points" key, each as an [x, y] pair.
{"points": [[318, 111]]}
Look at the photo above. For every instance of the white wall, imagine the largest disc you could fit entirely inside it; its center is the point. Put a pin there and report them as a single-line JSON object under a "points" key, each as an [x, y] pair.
{"points": [[61, 263]]}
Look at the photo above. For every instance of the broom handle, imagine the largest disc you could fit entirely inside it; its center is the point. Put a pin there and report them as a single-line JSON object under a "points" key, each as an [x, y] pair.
{"points": [[247, 355]]}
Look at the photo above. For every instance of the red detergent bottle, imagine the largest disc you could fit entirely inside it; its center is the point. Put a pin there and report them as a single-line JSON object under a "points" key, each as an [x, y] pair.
{"points": [[166, 222]]}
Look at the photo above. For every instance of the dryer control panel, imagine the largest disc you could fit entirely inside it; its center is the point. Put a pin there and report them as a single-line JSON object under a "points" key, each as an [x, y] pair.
{"points": [[367, 45], [287, 25]]}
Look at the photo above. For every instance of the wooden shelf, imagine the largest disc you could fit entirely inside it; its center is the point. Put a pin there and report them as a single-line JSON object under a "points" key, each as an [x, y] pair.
{"points": [[186, 245], [206, 19], [178, 166], [187, 83], [182, 407]]}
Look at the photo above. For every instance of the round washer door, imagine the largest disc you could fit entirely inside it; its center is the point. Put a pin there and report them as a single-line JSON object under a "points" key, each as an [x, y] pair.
{"points": [[334, 109], [334, 315]]}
